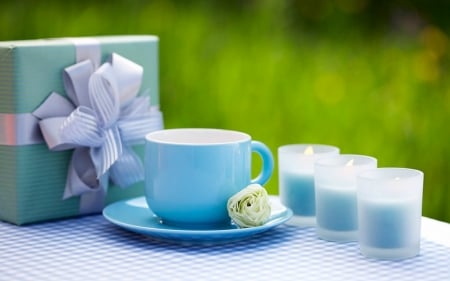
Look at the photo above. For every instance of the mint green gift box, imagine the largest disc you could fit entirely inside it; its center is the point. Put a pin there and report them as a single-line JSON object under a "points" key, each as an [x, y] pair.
{"points": [[33, 178]]}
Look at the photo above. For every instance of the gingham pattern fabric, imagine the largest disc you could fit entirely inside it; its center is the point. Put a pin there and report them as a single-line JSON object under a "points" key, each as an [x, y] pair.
{"points": [[91, 248]]}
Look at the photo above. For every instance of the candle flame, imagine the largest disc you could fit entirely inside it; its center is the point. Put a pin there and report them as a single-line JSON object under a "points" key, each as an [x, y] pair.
{"points": [[309, 150], [349, 163]]}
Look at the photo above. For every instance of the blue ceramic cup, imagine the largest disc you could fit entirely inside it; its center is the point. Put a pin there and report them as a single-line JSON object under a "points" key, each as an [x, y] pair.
{"points": [[191, 173]]}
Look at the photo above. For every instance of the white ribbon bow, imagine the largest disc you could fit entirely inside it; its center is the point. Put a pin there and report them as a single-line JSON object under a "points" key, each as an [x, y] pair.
{"points": [[104, 119]]}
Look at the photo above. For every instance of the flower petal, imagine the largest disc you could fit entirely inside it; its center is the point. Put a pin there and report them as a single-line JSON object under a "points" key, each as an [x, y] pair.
{"points": [[250, 206]]}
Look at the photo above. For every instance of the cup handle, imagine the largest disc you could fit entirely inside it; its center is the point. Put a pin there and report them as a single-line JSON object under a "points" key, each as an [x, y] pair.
{"points": [[267, 162]]}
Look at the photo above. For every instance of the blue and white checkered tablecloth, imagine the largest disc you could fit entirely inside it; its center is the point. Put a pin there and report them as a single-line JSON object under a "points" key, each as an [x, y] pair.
{"points": [[91, 248]]}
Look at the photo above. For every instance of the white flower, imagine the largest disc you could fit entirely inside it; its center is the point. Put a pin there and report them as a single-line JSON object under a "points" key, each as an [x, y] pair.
{"points": [[250, 206]]}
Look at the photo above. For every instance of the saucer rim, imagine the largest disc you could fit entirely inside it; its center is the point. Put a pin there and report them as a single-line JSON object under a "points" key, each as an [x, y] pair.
{"points": [[240, 233]]}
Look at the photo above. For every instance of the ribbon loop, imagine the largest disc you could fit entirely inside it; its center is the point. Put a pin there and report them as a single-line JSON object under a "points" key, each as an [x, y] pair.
{"points": [[137, 106], [76, 79], [54, 106], [80, 128], [52, 137], [128, 77], [132, 130], [104, 96], [52, 114]]}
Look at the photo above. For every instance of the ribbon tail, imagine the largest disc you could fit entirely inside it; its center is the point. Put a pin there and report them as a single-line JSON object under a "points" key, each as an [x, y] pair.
{"points": [[81, 177], [93, 202], [128, 169]]}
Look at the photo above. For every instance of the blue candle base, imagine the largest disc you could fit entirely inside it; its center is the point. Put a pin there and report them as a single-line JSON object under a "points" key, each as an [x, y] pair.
{"points": [[336, 214], [337, 236], [389, 225], [302, 221], [297, 193], [389, 229], [390, 254]]}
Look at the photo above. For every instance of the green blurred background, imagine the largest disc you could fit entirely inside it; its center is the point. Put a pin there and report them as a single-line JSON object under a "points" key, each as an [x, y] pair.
{"points": [[371, 77]]}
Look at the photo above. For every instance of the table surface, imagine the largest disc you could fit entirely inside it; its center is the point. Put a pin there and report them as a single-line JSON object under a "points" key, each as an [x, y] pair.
{"points": [[91, 248]]}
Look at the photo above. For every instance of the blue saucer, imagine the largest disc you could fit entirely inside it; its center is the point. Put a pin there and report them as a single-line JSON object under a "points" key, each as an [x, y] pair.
{"points": [[134, 215]]}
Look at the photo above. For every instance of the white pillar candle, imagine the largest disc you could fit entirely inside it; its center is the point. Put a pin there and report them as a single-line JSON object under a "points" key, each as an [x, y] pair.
{"points": [[335, 181], [389, 212], [296, 179]]}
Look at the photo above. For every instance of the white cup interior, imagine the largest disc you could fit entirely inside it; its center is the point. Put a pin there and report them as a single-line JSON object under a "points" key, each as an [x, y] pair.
{"points": [[194, 136]]}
